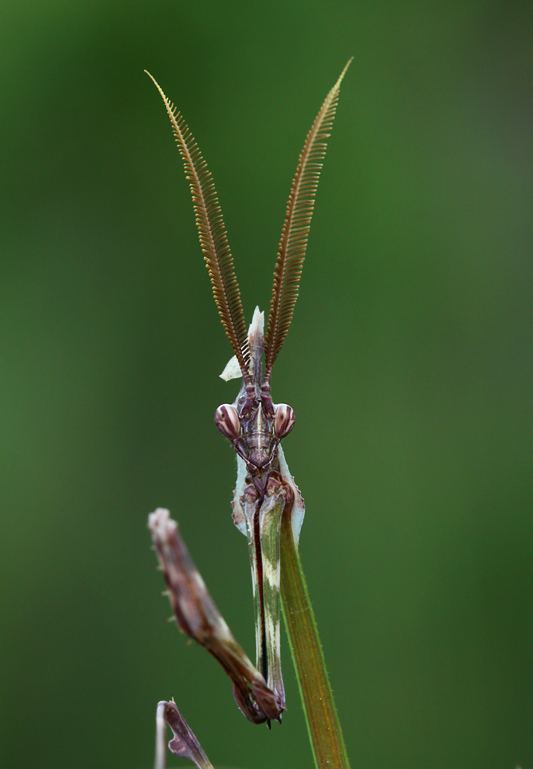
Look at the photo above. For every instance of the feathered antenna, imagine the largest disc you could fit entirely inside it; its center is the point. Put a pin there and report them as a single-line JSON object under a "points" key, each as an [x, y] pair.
{"points": [[295, 231], [212, 234]]}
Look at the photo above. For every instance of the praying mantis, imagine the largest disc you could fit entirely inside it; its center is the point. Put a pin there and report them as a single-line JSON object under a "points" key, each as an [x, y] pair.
{"points": [[265, 491]]}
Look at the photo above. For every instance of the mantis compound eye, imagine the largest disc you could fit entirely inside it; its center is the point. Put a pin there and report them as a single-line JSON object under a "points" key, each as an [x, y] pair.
{"points": [[227, 421], [283, 420]]}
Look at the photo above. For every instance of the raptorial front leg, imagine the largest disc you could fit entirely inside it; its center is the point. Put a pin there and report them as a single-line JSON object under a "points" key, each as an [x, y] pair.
{"points": [[198, 617], [263, 517], [270, 517], [251, 505]]}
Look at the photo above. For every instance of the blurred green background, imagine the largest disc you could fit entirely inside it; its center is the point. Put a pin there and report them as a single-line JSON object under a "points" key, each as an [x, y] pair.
{"points": [[408, 365]]}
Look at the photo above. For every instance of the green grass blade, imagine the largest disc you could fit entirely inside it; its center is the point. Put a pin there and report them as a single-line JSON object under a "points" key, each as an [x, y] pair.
{"points": [[325, 733]]}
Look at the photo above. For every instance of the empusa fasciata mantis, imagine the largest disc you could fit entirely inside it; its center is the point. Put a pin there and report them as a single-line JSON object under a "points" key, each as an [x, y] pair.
{"points": [[265, 493]]}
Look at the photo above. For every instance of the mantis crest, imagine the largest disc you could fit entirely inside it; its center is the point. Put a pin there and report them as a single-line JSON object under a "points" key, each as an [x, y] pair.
{"points": [[265, 490]]}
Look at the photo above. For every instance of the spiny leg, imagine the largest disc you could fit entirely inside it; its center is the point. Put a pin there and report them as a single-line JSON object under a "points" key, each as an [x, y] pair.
{"points": [[263, 517]]}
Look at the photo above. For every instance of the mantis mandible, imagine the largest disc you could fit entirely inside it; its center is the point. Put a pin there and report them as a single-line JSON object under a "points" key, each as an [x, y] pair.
{"points": [[265, 490]]}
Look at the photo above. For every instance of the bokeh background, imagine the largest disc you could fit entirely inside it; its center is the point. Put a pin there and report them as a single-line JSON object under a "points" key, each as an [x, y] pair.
{"points": [[409, 366]]}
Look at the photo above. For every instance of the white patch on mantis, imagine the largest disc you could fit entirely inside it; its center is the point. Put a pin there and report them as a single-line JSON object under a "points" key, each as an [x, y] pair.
{"points": [[270, 571], [257, 326], [298, 508], [232, 370], [252, 569], [239, 519], [272, 631]]}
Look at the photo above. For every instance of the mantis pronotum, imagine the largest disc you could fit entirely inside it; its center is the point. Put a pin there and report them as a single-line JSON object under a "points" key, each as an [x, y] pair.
{"points": [[265, 490]]}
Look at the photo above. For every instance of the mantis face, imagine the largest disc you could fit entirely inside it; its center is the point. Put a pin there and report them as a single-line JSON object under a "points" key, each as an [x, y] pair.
{"points": [[255, 427]]}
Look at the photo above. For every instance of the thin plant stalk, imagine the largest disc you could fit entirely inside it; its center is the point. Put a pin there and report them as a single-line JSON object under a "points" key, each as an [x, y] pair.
{"points": [[325, 732]]}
